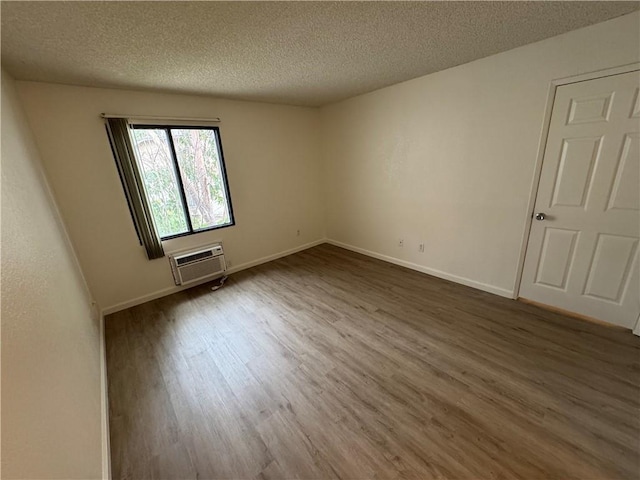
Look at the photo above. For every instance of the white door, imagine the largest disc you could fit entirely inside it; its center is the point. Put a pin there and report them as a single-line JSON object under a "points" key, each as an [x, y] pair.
{"points": [[582, 254]]}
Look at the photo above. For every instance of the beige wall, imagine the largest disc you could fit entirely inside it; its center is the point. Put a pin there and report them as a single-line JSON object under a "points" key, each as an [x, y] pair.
{"points": [[448, 159], [51, 397], [272, 156]]}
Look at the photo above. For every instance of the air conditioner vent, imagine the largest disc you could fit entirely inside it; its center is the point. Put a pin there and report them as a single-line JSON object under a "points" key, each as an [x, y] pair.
{"points": [[201, 264], [193, 257]]}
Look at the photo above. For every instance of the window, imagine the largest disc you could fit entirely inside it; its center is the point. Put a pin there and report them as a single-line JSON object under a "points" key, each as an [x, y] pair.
{"points": [[184, 178]]}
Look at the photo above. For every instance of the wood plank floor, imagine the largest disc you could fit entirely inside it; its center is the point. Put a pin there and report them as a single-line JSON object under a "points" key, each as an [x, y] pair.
{"points": [[329, 364]]}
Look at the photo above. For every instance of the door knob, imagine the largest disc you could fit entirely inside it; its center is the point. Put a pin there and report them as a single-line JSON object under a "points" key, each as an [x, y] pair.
{"points": [[540, 216]]}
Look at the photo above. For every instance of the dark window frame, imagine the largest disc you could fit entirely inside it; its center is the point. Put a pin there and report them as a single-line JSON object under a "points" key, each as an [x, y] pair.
{"points": [[178, 174]]}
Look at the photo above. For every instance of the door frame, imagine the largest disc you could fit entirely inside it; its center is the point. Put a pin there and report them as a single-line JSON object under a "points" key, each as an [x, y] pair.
{"points": [[542, 145]]}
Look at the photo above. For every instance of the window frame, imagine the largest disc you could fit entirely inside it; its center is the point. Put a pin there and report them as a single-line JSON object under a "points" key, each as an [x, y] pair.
{"points": [[178, 174]]}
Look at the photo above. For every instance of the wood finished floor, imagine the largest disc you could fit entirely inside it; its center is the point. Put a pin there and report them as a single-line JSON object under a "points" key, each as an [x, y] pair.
{"points": [[329, 364]]}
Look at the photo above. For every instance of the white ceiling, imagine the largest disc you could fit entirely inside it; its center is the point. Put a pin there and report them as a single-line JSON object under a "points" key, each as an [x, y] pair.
{"points": [[301, 53]]}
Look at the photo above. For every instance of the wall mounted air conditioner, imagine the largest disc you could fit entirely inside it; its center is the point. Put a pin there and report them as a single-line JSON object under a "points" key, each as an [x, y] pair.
{"points": [[200, 264]]}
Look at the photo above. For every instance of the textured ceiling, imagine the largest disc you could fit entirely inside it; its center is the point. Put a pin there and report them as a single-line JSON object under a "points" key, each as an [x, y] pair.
{"points": [[302, 53]]}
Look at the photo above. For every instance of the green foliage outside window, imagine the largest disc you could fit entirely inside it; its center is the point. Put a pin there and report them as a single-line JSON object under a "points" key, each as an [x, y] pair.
{"points": [[197, 169]]}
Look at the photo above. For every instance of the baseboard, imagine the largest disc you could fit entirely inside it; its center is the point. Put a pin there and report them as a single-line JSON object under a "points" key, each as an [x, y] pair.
{"points": [[275, 256], [145, 298], [236, 268], [429, 271], [106, 446], [636, 329]]}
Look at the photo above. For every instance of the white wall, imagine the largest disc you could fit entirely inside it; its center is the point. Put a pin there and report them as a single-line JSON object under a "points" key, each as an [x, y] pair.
{"points": [[272, 156], [51, 386], [448, 159]]}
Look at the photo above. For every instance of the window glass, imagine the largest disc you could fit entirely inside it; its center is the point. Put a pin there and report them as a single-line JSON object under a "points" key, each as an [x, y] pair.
{"points": [[184, 178], [159, 177], [204, 187]]}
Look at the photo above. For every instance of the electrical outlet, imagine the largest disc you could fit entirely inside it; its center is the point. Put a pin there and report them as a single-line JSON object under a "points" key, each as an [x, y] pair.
{"points": [[401, 243], [421, 248], [297, 233]]}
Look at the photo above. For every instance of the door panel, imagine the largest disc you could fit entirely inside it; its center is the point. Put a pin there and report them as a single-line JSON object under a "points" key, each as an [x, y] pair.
{"points": [[590, 109], [636, 105], [583, 256], [575, 171], [625, 191], [556, 257], [610, 268]]}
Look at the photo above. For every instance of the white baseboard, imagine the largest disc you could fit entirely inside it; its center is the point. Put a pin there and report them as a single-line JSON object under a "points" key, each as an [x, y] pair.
{"points": [[106, 446], [146, 298], [429, 271], [275, 256], [236, 268]]}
